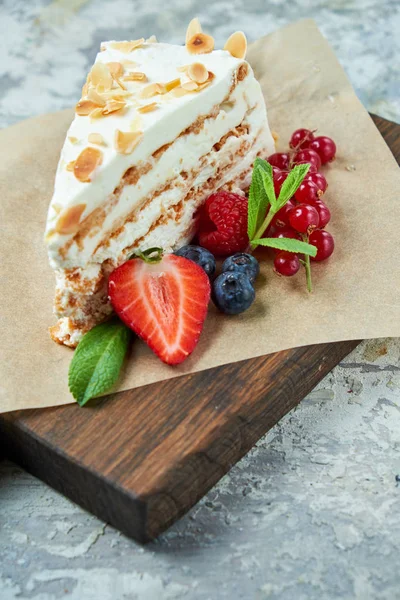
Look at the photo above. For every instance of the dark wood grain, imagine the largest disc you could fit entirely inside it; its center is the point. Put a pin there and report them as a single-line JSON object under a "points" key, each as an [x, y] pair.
{"points": [[141, 458]]}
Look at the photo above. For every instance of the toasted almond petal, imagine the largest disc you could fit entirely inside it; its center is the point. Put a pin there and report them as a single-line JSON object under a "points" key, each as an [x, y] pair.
{"points": [[193, 28], [136, 123], [178, 92], [126, 141], [135, 76], [68, 221], [170, 85], [85, 89], [57, 208], [70, 165], [95, 97], [116, 69], [113, 106], [96, 138], [97, 113], [152, 90], [86, 163], [116, 94], [275, 136], [183, 68], [101, 76], [84, 107], [73, 139], [197, 72], [190, 86], [127, 47], [148, 107], [236, 44], [200, 43], [151, 40]]}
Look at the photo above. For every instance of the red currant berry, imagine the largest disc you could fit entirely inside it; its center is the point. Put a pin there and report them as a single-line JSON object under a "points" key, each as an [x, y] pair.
{"points": [[282, 216], [307, 192], [318, 179], [325, 147], [323, 212], [309, 156], [280, 160], [301, 138], [279, 177], [304, 218], [286, 263], [285, 232], [323, 241]]}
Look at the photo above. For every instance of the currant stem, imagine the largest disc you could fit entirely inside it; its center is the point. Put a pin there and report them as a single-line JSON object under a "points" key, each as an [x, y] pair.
{"points": [[307, 266]]}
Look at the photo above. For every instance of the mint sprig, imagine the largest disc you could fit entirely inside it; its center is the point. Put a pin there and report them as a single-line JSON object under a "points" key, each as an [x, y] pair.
{"points": [[263, 205], [98, 359]]}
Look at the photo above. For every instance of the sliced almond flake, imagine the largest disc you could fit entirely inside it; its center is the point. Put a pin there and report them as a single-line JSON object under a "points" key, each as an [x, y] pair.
{"points": [[126, 141], [148, 107], [275, 136], [84, 107], [200, 43], [101, 76], [97, 113], [136, 123], [73, 139], [178, 92], [197, 72], [113, 106], [170, 85], [236, 44], [116, 94], [127, 47], [96, 98], [85, 89], [68, 221], [152, 40], [96, 138], [86, 163], [183, 68], [152, 90], [135, 76], [193, 28], [227, 106], [190, 86], [70, 166], [116, 69]]}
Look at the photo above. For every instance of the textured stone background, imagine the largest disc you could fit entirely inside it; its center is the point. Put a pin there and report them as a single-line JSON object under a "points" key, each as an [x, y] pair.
{"points": [[313, 512]]}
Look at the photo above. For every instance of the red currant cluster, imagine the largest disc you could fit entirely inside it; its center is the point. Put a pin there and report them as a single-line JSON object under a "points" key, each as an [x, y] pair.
{"points": [[305, 215]]}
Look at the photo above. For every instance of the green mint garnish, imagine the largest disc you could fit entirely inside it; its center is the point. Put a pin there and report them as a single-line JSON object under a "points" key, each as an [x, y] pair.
{"points": [[98, 359], [288, 244], [263, 206], [292, 183], [258, 197]]}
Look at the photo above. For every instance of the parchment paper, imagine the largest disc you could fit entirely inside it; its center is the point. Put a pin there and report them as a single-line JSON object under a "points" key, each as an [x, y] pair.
{"points": [[357, 292]]}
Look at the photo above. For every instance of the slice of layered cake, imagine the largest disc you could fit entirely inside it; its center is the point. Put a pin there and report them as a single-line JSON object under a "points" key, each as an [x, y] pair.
{"points": [[159, 128]]}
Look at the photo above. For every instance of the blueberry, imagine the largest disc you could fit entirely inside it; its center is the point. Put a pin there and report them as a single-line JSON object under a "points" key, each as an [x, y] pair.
{"points": [[243, 263], [200, 256], [233, 292]]}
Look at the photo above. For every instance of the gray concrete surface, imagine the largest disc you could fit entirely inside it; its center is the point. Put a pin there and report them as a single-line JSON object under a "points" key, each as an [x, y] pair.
{"points": [[313, 511]]}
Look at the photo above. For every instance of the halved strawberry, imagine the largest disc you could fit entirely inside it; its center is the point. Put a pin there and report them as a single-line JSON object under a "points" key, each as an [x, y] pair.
{"points": [[164, 303]]}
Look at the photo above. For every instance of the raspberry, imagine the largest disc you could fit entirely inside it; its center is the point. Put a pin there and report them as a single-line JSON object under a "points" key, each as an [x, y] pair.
{"points": [[223, 224]]}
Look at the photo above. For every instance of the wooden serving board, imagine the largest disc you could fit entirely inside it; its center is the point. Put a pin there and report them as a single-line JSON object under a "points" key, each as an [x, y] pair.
{"points": [[140, 459]]}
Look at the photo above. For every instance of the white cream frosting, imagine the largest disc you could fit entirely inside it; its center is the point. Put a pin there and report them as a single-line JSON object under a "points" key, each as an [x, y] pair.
{"points": [[162, 126]]}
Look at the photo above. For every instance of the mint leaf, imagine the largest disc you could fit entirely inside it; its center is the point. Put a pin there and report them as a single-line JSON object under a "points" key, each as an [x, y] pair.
{"points": [[292, 183], [288, 244], [268, 182], [97, 360], [258, 202]]}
